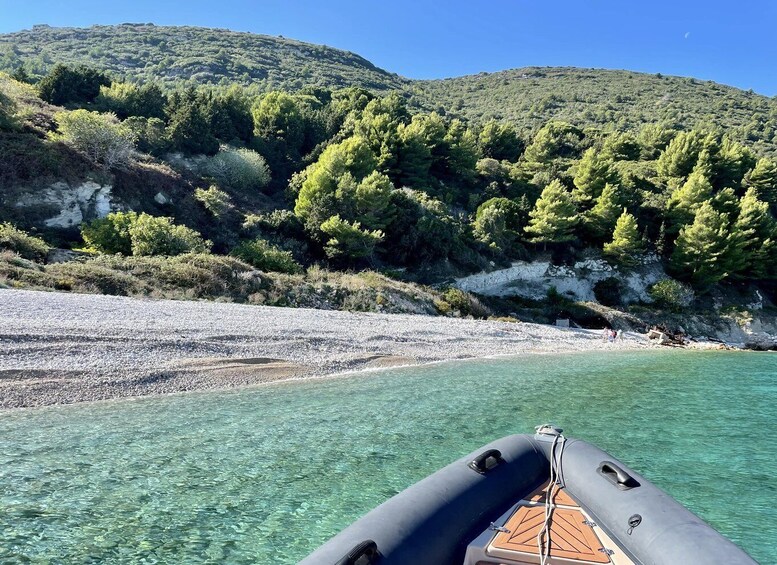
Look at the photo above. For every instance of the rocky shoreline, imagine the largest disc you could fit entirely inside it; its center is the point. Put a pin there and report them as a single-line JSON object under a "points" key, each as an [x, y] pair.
{"points": [[60, 348]]}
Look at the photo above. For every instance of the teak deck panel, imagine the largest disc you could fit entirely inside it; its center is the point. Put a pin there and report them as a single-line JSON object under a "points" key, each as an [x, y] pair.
{"points": [[570, 538], [572, 541]]}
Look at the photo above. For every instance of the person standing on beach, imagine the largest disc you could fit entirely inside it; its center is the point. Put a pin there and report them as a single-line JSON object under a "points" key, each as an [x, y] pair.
{"points": [[605, 334]]}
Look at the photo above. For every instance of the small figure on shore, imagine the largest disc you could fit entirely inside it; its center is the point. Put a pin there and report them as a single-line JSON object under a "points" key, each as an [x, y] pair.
{"points": [[605, 334], [612, 336], [619, 336]]}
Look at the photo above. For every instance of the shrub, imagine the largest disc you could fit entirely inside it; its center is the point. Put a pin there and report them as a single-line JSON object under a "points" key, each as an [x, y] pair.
{"points": [[149, 134], [671, 294], [608, 291], [266, 257], [464, 302], [240, 169], [278, 222], [348, 240], [101, 138], [215, 201], [79, 85], [92, 277], [110, 234], [7, 111], [153, 235], [25, 245]]}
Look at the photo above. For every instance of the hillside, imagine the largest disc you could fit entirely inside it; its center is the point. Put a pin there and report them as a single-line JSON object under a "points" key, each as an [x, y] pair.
{"points": [[610, 99], [173, 54], [201, 192], [527, 97]]}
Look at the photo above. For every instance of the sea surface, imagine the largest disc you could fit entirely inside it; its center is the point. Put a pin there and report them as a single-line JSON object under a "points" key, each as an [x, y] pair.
{"points": [[265, 475]]}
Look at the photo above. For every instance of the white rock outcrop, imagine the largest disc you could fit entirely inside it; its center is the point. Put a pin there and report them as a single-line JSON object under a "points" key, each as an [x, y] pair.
{"points": [[86, 201], [532, 280]]}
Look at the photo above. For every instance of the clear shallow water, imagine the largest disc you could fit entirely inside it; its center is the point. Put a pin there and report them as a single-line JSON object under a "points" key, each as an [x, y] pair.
{"points": [[265, 475]]}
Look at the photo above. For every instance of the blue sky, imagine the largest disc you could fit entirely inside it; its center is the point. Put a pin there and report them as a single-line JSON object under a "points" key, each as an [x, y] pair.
{"points": [[730, 42]]}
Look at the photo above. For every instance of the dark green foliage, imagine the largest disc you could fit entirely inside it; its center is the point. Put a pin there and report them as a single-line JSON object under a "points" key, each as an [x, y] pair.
{"points": [[281, 223], [266, 257], [423, 230], [500, 141], [527, 97], [463, 303], [21, 243], [703, 250], [401, 180], [150, 135], [230, 115], [215, 201], [499, 222], [189, 128], [21, 75], [77, 85], [125, 99]]}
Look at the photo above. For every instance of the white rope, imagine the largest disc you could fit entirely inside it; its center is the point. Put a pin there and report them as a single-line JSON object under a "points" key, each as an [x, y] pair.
{"points": [[555, 475]]}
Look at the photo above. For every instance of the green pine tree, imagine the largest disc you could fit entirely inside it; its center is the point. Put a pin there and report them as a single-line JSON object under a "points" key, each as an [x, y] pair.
{"points": [[703, 249], [686, 200], [680, 156], [757, 231], [600, 220], [626, 244], [593, 174], [763, 178], [554, 216]]}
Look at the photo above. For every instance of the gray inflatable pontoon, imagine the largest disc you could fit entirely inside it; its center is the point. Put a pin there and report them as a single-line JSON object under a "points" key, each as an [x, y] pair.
{"points": [[491, 508]]}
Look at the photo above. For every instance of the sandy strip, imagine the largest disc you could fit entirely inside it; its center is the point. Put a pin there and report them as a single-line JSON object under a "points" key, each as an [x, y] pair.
{"points": [[59, 348]]}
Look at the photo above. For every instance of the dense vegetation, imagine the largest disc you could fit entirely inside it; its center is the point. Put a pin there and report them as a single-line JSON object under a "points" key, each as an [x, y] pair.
{"points": [[527, 98], [605, 99], [171, 55], [283, 180]]}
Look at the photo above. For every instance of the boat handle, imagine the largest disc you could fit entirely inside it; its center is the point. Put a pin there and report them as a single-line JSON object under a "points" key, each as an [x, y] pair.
{"points": [[617, 475], [365, 553], [486, 461]]}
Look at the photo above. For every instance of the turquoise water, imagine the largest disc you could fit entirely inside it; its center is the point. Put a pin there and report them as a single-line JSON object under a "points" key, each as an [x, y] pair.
{"points": [[265, 475]]}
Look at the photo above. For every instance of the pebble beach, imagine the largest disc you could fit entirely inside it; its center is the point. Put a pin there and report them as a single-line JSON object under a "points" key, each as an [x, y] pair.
{"points": [[60, 348]]}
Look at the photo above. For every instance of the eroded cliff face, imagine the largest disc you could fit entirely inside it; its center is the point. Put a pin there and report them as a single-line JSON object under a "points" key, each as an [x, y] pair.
{"points": [[533, 280], [63, 205]]}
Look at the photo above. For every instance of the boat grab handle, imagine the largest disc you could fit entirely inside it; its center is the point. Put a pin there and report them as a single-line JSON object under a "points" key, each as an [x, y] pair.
{"points": [[617, 475], [486, 461], [364, 553]]}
